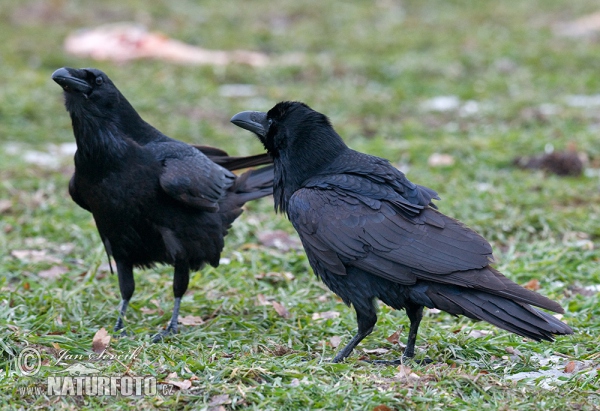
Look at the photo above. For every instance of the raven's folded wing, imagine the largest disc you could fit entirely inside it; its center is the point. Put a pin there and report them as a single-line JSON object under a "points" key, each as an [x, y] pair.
{"points": [[193, 179], [341, 228]]}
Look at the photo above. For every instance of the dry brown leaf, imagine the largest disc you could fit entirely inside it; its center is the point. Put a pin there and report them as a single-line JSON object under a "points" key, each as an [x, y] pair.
{"points": [[190, 320], [395, 337], [5, 205], [100, 341], [570, 367], [382, 407], [532, 284], [281, 310], [440, 160], [326, 315], [219, 400], [262, 300], [182, 385], [405, 373], [56, 346], [335, 341], [53, 272]]}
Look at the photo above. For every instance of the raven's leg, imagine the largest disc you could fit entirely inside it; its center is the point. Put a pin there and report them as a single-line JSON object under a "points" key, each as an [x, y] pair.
{"points": [[127, 287], [181, 280], [415, 314], [366, 316]]}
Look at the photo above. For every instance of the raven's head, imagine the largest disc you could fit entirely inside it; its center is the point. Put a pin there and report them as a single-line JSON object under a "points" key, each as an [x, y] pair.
{"points": [[88, 90], [290, 126], [301, 141]]}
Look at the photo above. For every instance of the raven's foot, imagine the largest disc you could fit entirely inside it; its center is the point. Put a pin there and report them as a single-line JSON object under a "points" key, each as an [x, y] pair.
{"points": [[118, 330], [164, 333]]}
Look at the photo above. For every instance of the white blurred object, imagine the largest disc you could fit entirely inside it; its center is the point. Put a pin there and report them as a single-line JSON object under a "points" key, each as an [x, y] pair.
{"points": [[128, 41]]}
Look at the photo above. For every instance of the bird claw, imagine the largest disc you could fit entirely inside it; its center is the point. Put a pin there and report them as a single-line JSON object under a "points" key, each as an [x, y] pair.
{"points": [[120, 334], [164, 333]]}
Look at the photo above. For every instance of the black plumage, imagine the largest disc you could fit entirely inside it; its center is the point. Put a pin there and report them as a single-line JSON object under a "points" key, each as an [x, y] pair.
{"points": [[370, 233], [154, 199]]}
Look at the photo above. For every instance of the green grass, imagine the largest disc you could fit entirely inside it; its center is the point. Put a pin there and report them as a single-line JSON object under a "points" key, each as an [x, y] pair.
{"points": [[371, 67]]}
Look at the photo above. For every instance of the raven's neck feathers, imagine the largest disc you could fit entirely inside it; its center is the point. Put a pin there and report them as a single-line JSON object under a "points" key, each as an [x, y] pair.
{"points": [[310, 152], [104, 137]]}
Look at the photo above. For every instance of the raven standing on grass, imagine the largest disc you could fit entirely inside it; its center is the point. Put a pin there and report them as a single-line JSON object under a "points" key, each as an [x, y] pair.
{"points": [[370, 233], [154, 199]]}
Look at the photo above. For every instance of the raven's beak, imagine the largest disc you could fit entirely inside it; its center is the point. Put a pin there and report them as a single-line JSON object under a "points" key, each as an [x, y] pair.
{"points": [[66, 78], [255, 121]]}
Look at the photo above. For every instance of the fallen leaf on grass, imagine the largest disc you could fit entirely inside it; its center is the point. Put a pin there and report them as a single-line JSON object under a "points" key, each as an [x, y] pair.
{"points": [[326, 315], [100, 341], [54, 272], [382, 407], [532, 284], [219, 400], [182, 385], [190, 320], [405, 373], [335, 341], [281, 310], [262, 300], [395, 337], [570, 367], [5, 205]]}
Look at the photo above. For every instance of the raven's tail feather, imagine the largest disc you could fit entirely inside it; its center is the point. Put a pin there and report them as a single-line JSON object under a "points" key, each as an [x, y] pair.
{"points": [[253, 184], [513, 316], [235, 163]]}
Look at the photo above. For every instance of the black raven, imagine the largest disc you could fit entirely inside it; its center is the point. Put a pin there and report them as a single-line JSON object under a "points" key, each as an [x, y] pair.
{"points": [[154, 199], [370, 233]]}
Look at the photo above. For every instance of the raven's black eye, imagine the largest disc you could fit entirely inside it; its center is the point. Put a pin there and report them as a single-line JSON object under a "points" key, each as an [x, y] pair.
{"points": [[99, 80]]}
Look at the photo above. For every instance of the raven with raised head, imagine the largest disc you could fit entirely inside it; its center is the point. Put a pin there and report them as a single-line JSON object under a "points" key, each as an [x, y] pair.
{"points": [[370, 233], [154, 199]]}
